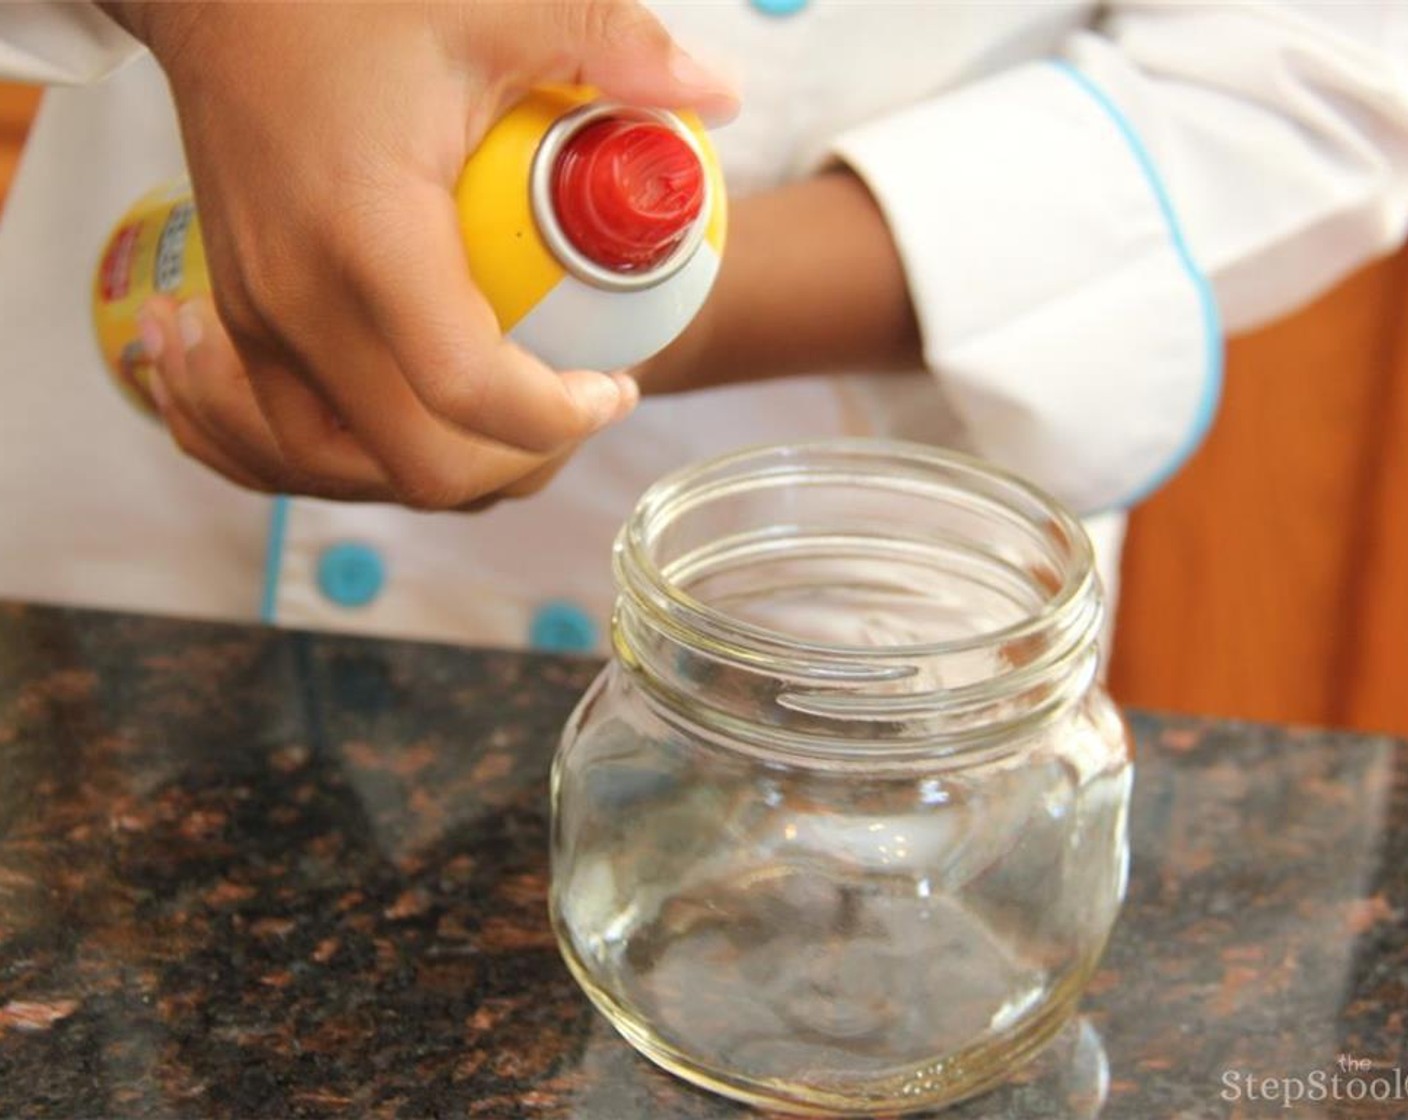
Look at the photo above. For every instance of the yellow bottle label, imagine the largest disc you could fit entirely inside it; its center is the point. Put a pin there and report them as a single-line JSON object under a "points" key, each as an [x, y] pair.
{"points": [[155, 250]]}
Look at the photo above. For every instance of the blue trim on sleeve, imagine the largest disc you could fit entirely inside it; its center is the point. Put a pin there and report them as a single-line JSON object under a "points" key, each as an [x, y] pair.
{"points": [[1212, 320], [273, 559]]}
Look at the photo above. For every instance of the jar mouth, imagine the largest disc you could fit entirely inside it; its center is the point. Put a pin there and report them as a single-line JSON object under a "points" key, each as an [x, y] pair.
{"points": [[972, 593]]}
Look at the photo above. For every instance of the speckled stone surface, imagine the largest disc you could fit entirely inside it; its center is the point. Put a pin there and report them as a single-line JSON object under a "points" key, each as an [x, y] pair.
{"points": [[246, 873]]}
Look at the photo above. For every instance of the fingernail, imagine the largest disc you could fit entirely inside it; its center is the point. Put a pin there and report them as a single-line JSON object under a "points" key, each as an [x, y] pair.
{"points": [[694, 75], [630, 395], [189, 325], [149, 333], [601, 397], [157, 388]]}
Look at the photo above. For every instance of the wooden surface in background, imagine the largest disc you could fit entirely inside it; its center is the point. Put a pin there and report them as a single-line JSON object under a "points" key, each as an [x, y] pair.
{"points": [[17, 106], [1267, 580], [1377, 676], [1270, 579]]}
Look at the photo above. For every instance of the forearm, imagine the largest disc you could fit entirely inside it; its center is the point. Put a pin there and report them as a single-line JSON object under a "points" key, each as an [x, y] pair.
{"points": [[811, 281]]}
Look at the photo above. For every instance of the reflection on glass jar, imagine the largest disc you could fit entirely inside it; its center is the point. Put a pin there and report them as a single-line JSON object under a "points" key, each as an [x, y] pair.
{"points": [[843, 825]]}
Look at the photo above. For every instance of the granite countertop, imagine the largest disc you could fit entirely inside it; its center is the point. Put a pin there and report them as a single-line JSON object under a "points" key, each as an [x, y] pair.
{"points": [[253, 873]]}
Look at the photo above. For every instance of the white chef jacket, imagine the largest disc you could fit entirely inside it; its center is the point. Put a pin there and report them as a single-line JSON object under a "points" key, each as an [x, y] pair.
{"points": [[1084, 197]]}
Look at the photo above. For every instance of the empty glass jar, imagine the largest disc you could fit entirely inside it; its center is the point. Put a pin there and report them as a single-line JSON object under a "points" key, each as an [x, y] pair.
{"points": [[842, 827]]}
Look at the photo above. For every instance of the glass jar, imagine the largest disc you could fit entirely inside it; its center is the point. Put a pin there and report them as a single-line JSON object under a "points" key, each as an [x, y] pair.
{"points": [[842, 827]]}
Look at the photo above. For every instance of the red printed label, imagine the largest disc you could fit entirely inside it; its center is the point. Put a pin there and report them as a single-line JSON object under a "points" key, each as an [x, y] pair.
{"points": [[117, 262]]}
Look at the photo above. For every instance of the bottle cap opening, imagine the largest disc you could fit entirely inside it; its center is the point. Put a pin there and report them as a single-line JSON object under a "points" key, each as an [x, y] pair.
{"points": [[627, 192]]}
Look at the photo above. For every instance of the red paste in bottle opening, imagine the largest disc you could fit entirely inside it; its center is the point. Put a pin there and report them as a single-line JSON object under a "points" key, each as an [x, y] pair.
{"points": [[627, 192]]}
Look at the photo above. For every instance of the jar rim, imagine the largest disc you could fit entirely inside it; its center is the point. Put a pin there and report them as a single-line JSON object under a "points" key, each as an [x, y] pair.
{"points": [[692, 481], [949, 694]]}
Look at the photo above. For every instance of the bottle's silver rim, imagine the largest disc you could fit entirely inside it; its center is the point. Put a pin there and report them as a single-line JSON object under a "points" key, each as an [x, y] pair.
{"points": [[545, 214]]}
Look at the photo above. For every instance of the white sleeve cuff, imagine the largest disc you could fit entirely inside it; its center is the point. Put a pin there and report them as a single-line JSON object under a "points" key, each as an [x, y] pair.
{"points": [[56, 43], [1072, 333]]}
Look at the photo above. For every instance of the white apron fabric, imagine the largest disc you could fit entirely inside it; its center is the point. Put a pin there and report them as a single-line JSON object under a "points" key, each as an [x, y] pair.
{"points": [[1084, 198]]}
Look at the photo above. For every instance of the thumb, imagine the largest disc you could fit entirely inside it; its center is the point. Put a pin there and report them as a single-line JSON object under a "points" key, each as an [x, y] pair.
{"points": [[621, 49]]}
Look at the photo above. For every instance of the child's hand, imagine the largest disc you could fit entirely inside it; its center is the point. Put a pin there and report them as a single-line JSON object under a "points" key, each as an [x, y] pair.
{"points": [[205, 398], [324, 143]]}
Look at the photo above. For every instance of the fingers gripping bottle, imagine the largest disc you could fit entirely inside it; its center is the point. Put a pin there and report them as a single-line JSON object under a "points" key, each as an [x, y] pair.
{"points": [[594, 230]]}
